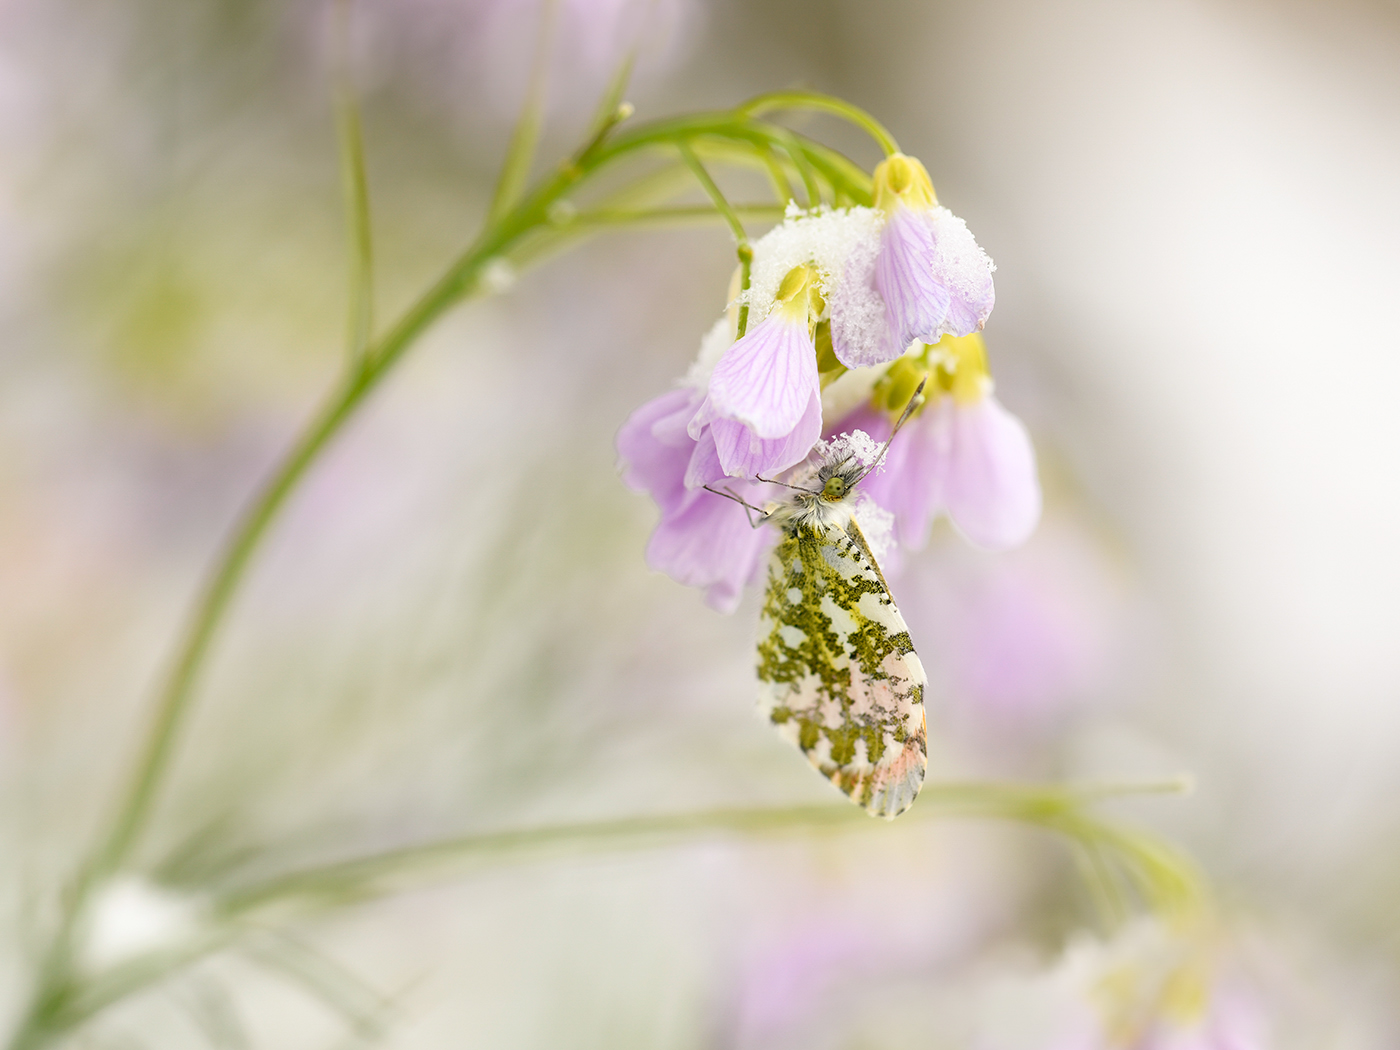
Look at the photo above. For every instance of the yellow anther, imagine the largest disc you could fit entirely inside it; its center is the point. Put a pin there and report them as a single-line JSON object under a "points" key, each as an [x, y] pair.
{"points": [[799, 295], [793, 284]]}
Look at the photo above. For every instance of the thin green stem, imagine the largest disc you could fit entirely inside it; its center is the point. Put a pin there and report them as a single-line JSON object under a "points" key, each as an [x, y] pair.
{"points": [[611, 108], [781, 184], [741, 237], [715, 194], [598, 217], [1052, 806], [794, 150], [779, 100], [355, 189], [521, 151]]}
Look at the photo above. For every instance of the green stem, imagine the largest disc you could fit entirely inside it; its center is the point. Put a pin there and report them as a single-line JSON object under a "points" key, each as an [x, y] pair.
{"points": [[1057, 807], [597, 217], [778, 100], [355, 189], [715, 194], [521, 151]]}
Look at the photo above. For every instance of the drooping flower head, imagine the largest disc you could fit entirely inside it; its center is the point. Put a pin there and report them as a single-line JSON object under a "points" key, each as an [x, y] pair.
{"points": [[924, 278], [835, 294], [962, 454], [763, 405]]}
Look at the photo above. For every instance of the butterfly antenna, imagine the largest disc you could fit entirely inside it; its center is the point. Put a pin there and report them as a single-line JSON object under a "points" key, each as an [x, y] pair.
{"points": [[784, 484], [915, 400]]}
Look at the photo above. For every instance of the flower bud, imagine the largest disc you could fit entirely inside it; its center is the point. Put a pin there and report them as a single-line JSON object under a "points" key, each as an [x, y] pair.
{"points": [[900, 178]]}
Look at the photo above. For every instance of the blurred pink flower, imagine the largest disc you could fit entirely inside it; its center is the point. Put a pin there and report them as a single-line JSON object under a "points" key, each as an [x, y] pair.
{"points": [[483, 49], [972, 461], [1017, 642]]}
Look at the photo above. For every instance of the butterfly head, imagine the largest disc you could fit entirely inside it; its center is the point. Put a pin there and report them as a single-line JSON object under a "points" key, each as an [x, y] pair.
{"points": [[838, 478]]}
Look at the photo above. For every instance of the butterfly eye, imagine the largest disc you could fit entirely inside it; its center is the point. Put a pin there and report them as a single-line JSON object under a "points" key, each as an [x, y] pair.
{"points": [[835, 488]]}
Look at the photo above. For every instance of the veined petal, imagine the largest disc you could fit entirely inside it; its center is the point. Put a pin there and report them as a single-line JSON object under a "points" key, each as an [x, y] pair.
{"points": [[904, 274], [860, 323], [653, 448], [993, 492], [743, 454], [767, 378], [711, 544]]}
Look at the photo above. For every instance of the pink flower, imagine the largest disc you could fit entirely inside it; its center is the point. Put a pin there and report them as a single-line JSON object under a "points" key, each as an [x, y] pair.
{"points": [[929, 274], [764, 400], [963, 455], [702, 540]]}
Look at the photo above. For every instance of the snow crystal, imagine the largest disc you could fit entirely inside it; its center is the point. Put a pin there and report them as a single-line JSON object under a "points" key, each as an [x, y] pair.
{"points": [[876, 525], [824, 239], [960, 262], [857, 445]]}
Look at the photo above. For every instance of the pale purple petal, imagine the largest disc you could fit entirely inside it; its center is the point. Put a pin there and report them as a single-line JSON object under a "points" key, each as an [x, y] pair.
{"points": [[709, 543], [704, 466], [767, 378], [743, 454], [962, 267], [993, 493], [702, 540], [653, 447], [905, 276], [860, 326]]}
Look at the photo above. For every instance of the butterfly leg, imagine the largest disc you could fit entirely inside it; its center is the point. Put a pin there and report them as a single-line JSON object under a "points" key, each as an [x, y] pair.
{"points": [[749, 508]]}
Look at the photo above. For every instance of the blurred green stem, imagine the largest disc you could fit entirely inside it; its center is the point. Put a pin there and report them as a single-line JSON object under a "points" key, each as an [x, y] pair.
{"points": [[521, 151], [1053, 806], [518, 228], [355, 189]]}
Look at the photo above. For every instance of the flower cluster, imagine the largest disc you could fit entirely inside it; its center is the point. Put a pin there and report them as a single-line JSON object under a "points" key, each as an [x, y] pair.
{"points": [[848, 310]]}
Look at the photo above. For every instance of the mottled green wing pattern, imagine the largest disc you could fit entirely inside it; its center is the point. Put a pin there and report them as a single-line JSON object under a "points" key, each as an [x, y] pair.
{"points": [[837, 672]]}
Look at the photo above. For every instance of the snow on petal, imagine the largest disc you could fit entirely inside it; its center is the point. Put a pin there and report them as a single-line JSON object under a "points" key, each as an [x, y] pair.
{"points": [[905, 276], [962, 267]]}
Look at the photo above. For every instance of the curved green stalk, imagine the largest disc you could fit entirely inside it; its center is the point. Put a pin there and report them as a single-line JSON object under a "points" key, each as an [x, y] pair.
{"points": [[1058, 808], [521, 151], [355, 189], [502, 234], [814, 100]]}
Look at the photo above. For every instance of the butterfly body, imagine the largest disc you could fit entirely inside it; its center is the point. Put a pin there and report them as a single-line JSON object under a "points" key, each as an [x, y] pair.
{"points": [[838, 675]]}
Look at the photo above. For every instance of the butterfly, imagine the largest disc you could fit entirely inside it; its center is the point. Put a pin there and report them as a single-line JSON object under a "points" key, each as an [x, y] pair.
{"points": [[837, 672]]}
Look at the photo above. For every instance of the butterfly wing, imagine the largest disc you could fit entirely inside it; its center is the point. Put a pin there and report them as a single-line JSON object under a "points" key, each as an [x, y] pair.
{"points": [[837, 671]]}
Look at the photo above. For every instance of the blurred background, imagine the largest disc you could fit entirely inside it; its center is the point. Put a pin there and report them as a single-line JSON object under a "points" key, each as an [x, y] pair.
{"points": [[1192, 207]]}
